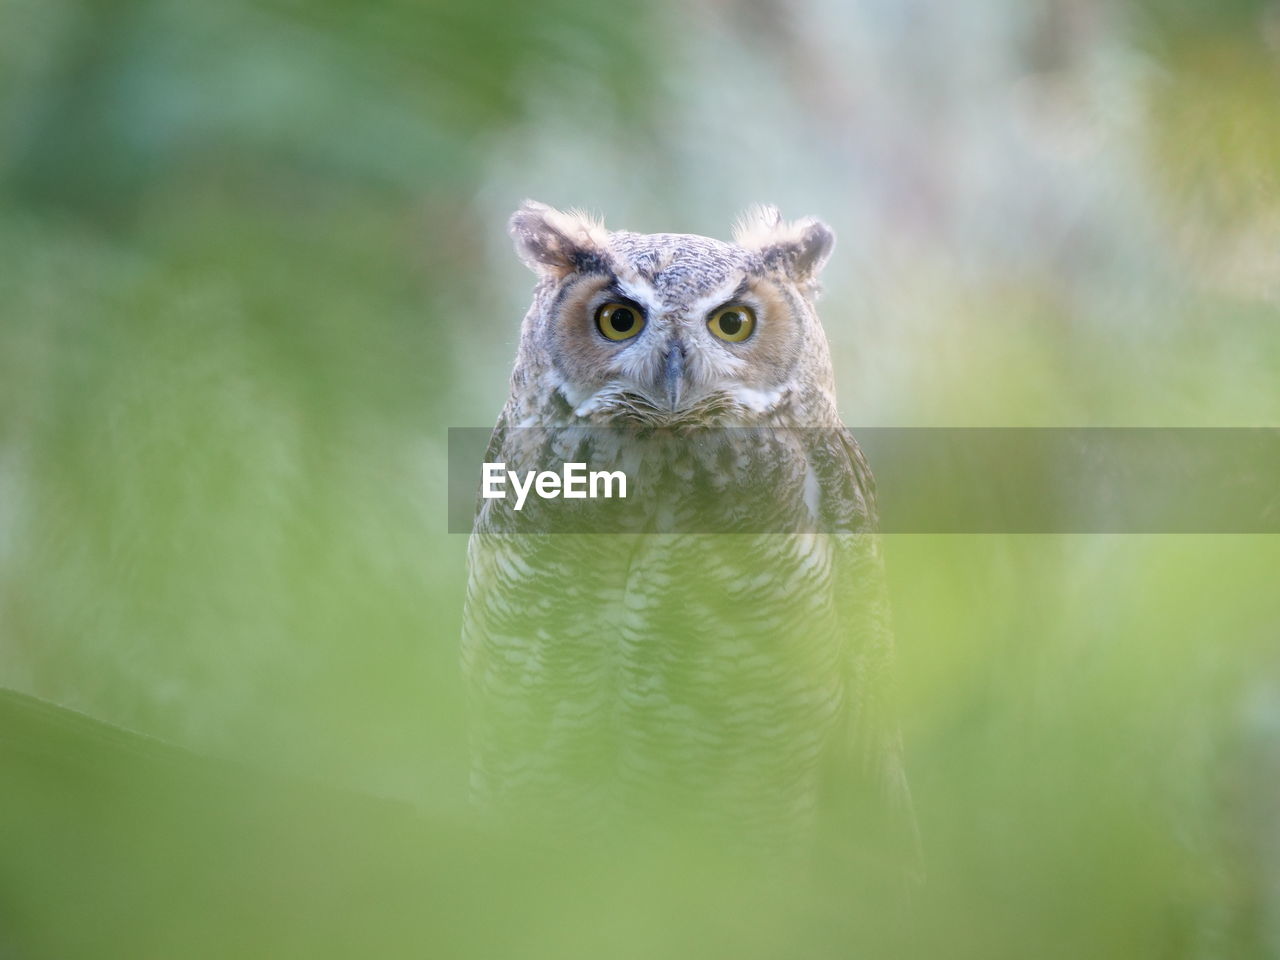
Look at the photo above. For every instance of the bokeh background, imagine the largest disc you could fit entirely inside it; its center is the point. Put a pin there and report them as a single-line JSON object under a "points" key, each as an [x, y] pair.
{"points": [[253, 264]]}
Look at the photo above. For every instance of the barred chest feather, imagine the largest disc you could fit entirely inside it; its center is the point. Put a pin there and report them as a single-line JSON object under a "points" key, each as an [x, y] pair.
{"points": [[619, 675]]}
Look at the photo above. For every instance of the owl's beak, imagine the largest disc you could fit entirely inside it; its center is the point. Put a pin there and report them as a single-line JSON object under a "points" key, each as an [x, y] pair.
{"points": [[673, 373]]}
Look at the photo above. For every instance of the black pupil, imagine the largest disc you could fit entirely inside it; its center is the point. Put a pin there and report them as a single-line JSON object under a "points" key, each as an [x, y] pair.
{"points": [[731, 322], [622, 319]]}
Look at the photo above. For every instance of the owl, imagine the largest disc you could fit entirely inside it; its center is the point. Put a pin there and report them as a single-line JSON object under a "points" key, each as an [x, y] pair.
{"points": [[720, 655]]}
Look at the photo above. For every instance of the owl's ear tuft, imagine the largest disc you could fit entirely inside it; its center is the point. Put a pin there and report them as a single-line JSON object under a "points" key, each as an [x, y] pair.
{"points": [[554, 243], [799, 248]]}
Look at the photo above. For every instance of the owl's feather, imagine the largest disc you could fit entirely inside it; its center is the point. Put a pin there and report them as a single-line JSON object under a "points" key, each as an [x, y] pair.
{"points": [[804, 246]]}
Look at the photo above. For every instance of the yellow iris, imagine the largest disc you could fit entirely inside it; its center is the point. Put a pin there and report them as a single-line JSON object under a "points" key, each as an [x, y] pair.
{"points": [[732, 323], [619, 321]]}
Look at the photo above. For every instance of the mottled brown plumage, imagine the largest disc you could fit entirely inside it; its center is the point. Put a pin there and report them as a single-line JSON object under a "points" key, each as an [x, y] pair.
{"points": [[738, 681]]}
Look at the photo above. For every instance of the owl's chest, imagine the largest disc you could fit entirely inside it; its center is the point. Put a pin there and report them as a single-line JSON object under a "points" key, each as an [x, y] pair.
{"points": [[702, 667], [710, 663], [683, 623]]}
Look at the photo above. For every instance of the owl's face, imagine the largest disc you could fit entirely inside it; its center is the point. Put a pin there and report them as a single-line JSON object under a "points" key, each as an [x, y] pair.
{"points": [[672, 328]]}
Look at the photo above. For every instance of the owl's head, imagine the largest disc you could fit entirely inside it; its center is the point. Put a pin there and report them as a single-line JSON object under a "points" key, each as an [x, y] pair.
{"points": [[672, 328]]}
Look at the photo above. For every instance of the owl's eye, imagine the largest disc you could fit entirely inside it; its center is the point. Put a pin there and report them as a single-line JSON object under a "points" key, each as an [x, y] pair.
{"points": [[733, 323], [619, 321]]}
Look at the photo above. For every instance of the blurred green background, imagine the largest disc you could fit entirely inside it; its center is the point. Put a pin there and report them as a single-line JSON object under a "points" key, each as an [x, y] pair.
{"points": [[253, 263]]}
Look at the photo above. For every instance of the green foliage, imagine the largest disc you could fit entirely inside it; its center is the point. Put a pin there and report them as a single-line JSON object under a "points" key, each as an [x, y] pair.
{"points": [[252, 265]]}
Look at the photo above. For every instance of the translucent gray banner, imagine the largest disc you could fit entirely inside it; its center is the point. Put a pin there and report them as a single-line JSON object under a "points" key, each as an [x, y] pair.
{"points": [[748, 480]]}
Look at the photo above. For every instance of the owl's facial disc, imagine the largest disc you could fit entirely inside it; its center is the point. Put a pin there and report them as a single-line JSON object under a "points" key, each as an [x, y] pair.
{"points": [[673, 330], [713, 353]]}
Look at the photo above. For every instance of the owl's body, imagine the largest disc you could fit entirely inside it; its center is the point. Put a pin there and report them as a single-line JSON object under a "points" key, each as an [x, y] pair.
{"points": [[729, 679]]}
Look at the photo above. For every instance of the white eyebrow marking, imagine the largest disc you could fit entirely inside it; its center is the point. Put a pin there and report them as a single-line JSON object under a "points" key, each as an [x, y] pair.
{"points": [[717, 296], [642, 292]]}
